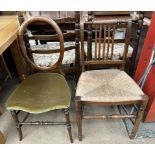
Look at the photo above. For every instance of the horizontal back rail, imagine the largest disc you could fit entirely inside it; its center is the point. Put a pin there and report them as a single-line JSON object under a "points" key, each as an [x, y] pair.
{"points": [[50, 51], [50, 37]]}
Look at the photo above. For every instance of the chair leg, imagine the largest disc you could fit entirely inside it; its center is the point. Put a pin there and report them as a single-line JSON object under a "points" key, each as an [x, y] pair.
{"points": [[66, 112], [79, 120], [138, 119], [77, 75], [18, 127]]}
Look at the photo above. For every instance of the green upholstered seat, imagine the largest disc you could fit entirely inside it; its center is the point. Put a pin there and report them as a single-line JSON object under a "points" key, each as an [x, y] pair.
{"points": [[39, 93]]}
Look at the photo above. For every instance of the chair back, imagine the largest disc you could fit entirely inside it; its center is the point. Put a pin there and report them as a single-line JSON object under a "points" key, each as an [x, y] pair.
{"points": [[101, 42], [27, 53], [68, 21]]}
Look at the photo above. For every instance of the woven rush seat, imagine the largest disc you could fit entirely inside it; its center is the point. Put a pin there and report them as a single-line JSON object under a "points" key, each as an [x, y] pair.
{"points": [[39, 93], [111, 85]]}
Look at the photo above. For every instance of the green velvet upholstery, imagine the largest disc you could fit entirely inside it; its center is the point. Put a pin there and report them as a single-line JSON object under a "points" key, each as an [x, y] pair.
{"points": [[39, 93]]}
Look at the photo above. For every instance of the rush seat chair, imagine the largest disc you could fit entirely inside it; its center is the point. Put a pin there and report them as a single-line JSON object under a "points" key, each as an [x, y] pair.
{"points": [[109, 86]]}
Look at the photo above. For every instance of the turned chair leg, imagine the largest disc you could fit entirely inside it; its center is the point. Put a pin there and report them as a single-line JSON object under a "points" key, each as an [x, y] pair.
{"points": [[79, 120], [18, 126], [66, 112], [138, 120]]}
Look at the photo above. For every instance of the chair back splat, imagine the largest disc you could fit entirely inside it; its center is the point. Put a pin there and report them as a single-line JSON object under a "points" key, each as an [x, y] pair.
{"points": [[102, 49]]}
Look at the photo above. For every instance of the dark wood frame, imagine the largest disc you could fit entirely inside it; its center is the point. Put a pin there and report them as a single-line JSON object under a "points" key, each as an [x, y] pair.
{"points": [[139, 104], [56, 66]]}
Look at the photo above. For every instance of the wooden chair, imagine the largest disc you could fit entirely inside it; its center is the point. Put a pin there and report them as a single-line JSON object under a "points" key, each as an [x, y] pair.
{"points": [[69, 25], [107, 87], [41, 92]]}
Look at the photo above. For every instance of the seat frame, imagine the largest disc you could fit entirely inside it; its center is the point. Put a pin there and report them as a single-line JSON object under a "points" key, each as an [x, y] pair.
{"points": [[56, 67], [139, 104]]}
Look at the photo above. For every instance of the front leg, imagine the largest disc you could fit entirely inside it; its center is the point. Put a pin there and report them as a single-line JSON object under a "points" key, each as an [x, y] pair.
{"points": [[66, 112], [79, 119], [138, 119], [18, 126]]}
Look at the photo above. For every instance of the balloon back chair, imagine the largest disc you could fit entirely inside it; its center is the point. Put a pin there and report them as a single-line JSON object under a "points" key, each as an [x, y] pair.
{"points": [[110, 86], [43, 90]]}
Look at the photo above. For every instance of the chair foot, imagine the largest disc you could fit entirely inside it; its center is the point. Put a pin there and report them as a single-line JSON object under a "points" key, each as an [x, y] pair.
{"points": [[132, 136], [66, 112], [18, 127], [79, 120], [80, 138], [20, 132]]}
